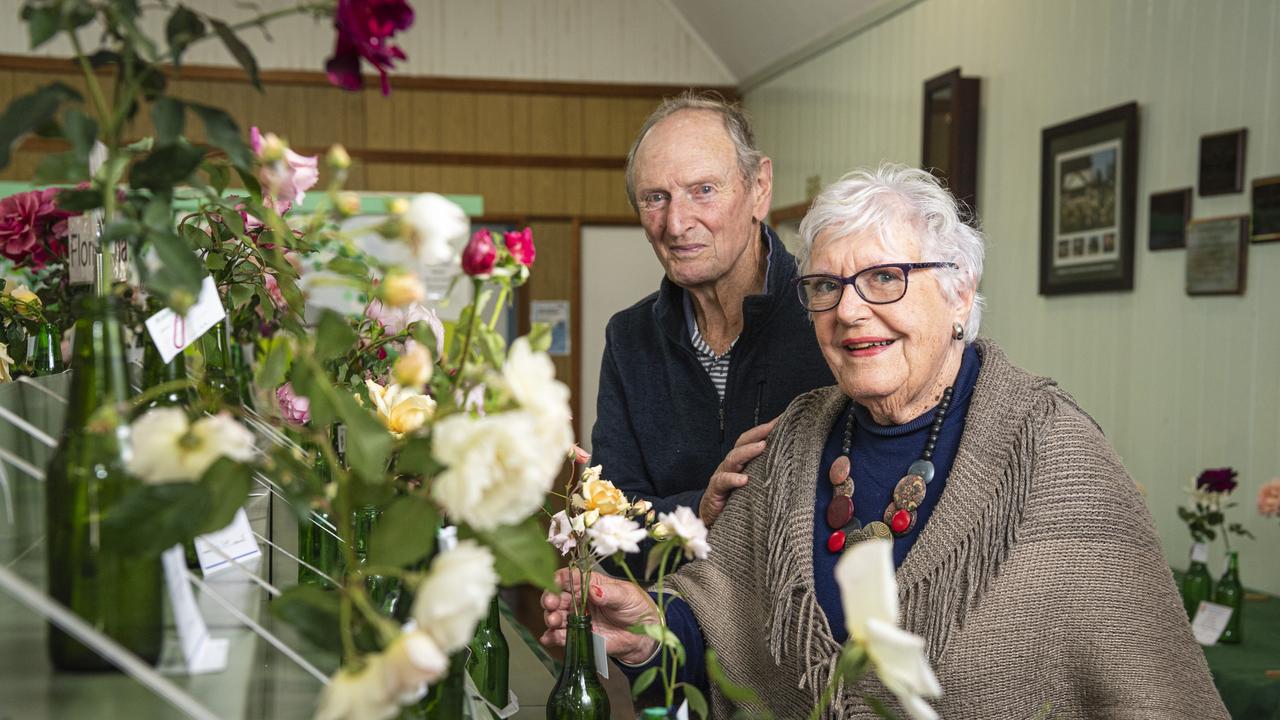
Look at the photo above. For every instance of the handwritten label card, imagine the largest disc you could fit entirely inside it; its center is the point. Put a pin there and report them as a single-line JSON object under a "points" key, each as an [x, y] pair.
{"points": [[82, 248], [235, 541], [602, 658], [1210, 620], [202, 653], [172, 333], [1199, 552]]}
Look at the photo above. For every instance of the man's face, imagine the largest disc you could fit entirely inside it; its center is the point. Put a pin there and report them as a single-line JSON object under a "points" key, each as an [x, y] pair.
{"points": [[696, 209]]}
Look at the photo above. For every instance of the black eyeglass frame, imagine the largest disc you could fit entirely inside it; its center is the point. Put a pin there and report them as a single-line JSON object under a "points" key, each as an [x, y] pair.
{"points": [[906, 269]]}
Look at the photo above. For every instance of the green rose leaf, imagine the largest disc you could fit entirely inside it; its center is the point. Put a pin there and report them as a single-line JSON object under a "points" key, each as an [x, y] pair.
{"points": [[180, 273], [81, 131], [165, 167], [183, 28], [275, 363], [697, 702], [415, 458], [521, 553], [43, 22], [313, 612], [79, 200], [169, 117], [311, 383], [238, 51], [405, 533], [224, 134], [154, 518], [63, 167], [643, 681], [226, 484], [334, 336], [368, 442], [30, 112], [539, 337]]}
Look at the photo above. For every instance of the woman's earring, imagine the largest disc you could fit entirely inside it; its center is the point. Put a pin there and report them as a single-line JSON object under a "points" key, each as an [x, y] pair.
{"points": [[957, 331]]}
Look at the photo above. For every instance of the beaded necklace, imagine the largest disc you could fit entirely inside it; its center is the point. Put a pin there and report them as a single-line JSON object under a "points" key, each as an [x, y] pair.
{"points": [[900, 515]]}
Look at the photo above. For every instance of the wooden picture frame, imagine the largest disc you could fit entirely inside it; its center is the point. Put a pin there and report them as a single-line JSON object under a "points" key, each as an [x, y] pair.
{"points": [[1167, 218], [1264, 209], [1216, 254], [1088, 200], [1221, 168], [949, 126]]}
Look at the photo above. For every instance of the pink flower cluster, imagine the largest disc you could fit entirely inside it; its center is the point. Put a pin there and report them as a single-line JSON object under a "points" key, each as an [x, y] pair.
{"points": [[365, 28], [294, 408], [33, 229], [481, 254], [286, 180], [1269, 499]]}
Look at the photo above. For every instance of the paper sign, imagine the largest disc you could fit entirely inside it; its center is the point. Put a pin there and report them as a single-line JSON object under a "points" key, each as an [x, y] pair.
{"points": [[202, 653], [172, 333], [236, 541], [555, 314], [82, 248], [1210, 620], [602, 659], [447, 538], [120, 260], [1199, 553], [683, 712], [437, 279]]}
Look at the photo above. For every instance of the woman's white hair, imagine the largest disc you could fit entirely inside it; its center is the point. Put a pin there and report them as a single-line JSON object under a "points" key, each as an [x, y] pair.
{"points": [[894, 196]]}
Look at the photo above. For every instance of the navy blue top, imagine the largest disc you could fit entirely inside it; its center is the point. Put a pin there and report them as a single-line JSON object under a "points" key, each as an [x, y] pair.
{"points": [[880, 456]]}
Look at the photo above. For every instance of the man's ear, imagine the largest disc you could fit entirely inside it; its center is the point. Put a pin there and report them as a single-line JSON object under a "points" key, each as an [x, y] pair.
{"points": [[763, 189]]}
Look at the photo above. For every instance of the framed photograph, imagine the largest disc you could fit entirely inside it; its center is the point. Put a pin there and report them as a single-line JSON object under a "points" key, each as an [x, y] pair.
{"points": [[1216, 255], [1222, 162], [1088, 196], [1167, 221], [949, 147], [1265, 204]]}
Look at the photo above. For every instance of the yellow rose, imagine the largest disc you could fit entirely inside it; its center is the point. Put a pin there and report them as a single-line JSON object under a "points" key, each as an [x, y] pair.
{"points": [[338, 158], [600, 497], [413, 367], [26, 303], [348, 204], [401, 288], [401, 410]]}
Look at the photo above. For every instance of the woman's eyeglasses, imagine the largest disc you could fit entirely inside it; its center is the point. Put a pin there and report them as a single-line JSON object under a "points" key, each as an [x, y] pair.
{"points": [[878, 285]]}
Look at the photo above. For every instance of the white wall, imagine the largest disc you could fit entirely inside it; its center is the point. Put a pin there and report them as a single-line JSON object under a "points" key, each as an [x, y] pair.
{"points": [[618, 269], [566, 40], [1179, 384]]}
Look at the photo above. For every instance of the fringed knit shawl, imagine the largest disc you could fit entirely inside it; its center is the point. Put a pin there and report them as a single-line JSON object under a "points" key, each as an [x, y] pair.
{"points": [[1039, 578]]}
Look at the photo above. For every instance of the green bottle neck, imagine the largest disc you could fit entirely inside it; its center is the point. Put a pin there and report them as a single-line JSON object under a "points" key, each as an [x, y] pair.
{"points": [[98, 363], [579, 655], [1233, 565]]}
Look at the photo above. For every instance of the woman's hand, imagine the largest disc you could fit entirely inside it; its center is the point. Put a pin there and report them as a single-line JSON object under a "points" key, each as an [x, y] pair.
{"points": [[615, 605], [729, 476]]}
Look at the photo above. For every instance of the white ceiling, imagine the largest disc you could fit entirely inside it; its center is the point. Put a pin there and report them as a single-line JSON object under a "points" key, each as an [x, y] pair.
{"points": [[753, 36]]}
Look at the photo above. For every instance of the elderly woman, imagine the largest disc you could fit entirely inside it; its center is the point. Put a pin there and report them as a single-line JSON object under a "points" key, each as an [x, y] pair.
{"points": [[1025, 557]]}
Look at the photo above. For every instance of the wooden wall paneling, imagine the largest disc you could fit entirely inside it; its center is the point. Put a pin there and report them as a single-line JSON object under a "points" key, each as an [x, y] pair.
{"points": [[495, 122], [546, 126], [574, 199], [598, 122], [427, 177], [572, 121], [458, 122]]}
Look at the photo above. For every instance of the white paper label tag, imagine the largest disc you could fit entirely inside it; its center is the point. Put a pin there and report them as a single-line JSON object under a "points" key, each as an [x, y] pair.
{"points": [[1199, 553], [82, 248], [202, 653], [602, 658], [120, 260], [340, 433], [437, 279], [683, 712], [172, 333], [1210, 620], [236, 541], [447, 538]]}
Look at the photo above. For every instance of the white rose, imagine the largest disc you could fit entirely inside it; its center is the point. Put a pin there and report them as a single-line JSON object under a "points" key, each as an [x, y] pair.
{"points": [[869, 594], [166, 448], [411, 663], [613, 533], [435, 228], [456, 594], [560, 534], [689, 529], [531, 377], [362, 695], [497, 470]]}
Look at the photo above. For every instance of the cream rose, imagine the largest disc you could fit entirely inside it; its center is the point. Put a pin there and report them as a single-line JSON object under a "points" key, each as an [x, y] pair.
{"points": [[359, 695], [414, 366], [497, 469], [401, 410], [435, 228], [167, 448], [689, 529], [456, 594], [531, 377], [399, 289]]}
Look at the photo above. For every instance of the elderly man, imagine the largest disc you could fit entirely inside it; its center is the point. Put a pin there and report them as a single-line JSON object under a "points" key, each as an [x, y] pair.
{"points": [[693, 374]]}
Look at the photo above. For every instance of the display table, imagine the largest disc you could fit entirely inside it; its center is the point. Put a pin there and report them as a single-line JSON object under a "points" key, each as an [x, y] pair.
{"points": [[1241, 671], [260, 681]]}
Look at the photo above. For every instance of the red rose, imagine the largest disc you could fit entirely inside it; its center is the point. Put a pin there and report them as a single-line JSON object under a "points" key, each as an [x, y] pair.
{"points": [[480, 254], [364, 29], [520, 245], [1219, 480], [33, 229]]}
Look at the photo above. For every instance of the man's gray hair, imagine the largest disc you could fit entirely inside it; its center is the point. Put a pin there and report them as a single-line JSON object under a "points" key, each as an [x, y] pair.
{"points": [[880, 200], [736, 124]]}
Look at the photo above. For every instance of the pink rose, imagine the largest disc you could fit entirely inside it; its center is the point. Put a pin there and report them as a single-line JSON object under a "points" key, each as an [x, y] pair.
{"points": [[294, 408], [1269, 499], [397, 320], [520, 245], [365, 28], [33, 229], [480, 254], [285, 175], [273, 289]]}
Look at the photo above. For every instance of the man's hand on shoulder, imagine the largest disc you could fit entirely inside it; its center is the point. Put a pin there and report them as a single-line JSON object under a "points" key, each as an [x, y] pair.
{"points": [[729, 476]]}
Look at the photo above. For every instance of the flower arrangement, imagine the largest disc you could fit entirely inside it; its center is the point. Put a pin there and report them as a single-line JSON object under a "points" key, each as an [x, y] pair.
{"points": [[1210, 499], [1269, 499]]}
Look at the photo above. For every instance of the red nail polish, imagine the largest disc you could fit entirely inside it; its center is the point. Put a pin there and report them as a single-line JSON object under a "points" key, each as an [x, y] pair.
{"points": [[599, 592]]}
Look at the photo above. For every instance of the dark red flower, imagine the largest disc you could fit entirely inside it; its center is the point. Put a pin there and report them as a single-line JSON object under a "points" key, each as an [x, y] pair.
{"points": [[33, 229], [1219, 480], [364, 29], [480, 254], [520, 245]]}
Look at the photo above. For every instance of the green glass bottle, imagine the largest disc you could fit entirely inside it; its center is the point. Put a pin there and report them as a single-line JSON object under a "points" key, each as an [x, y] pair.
{"points": [[48, 358], [318, 546], [156, 372], [217, 358], [116, 592], [490, 658], [445, 699], [578, 694], [1230, 592], [241, 375], [1197, 585]]}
